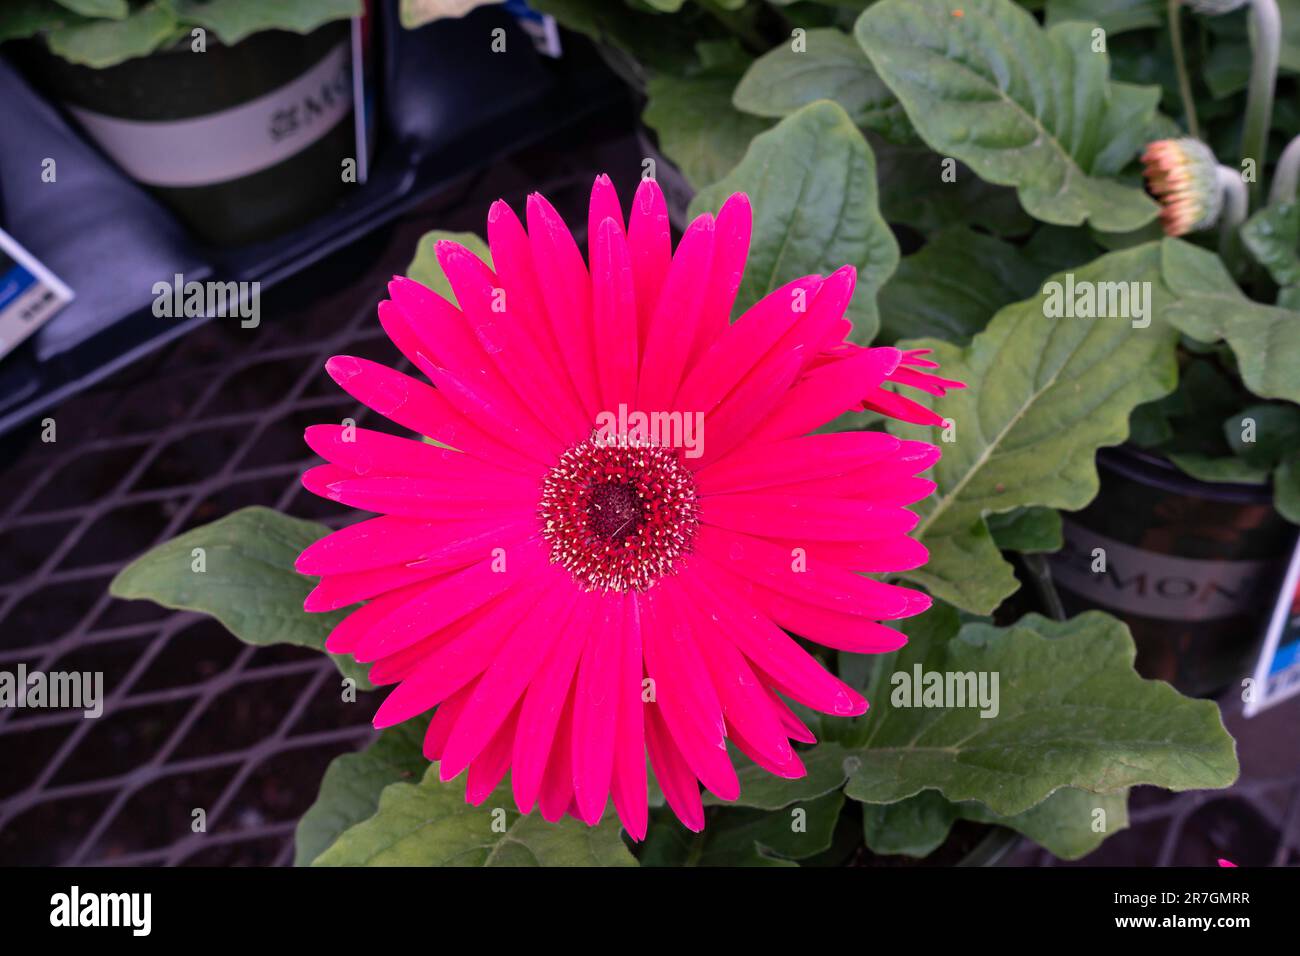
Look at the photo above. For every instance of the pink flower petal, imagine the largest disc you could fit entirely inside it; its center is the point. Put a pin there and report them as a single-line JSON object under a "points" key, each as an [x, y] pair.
{"points": [[673, 325], [614, 304], [490, 766], [604, 205], [770, 649], [628, 786], [812, 518], [505, 681], [731, 247], [685, 696], [796, 460], [349, 632], [650, 245], [676, 780], [566, 295], [555, 797], [444, 720], [827, 392], [455, 662], [490, 332], [416, 406], [385, 541], [547, 696], [824, 585], [517, 274], [451, 598], [595, 712], [742, 345]]}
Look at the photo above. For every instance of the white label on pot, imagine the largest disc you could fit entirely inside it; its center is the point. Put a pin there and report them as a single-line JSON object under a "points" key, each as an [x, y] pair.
{"points": [[1124, 578], [30, 294], [232, 143]]}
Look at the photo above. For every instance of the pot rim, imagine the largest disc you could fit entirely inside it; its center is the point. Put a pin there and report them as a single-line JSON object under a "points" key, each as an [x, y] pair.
{"points": [[173, 50], [1152, 469]]}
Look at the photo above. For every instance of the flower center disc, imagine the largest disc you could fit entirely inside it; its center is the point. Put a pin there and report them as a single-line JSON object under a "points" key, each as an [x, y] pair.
{"points": [[618, 514]]}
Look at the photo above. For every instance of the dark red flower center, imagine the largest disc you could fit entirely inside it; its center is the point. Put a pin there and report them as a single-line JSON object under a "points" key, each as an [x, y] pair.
{"points": [[618, 515]]}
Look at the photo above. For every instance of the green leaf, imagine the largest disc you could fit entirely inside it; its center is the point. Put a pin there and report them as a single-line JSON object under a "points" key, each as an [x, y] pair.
{"points": [[20, 19], [1210, 307], [1149, 425], [698, 127], [830, 66], [1114, 16], [1060, 248], [745, 837], [1289, 53], [430, 824], [915, 826], [762, 790], [112, 9], [1027, 530], [249, 583], [1273, 237], [102, 43], [953, 285], [350, 789], [1042, 395], [1227, 69], [917, 190], [812, 182], [416, 13], [1071, 712], [1206, 396], [1218, 468], [1274, 433], [649, 39], [1286, 488], [424, 267], [1021, 106], [1127, 128], [1063, 823], [232, 20], [965, 567]]}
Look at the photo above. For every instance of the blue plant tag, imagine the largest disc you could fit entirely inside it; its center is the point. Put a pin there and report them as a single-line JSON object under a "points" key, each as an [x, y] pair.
{"points": [[1277, 673], [30, 294], [540, 27]]}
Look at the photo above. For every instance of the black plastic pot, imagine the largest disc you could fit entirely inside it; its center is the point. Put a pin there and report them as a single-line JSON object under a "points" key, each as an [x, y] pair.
{"points": [[243, 142], [1192, 567]]}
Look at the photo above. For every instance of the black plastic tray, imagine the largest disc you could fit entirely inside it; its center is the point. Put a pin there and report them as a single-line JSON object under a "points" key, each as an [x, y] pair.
{"points": [[447, 106]]}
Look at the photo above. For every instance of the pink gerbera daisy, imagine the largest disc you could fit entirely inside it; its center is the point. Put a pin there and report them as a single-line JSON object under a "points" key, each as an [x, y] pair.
{"points": [[566, 581]]}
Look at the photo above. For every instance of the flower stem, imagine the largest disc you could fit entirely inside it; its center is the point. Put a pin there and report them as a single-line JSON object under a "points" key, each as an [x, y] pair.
{"points": [[1287, 173], [1180, 64], [734, 21], [1266, 39], [1040, 574], [1235, 202]]}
